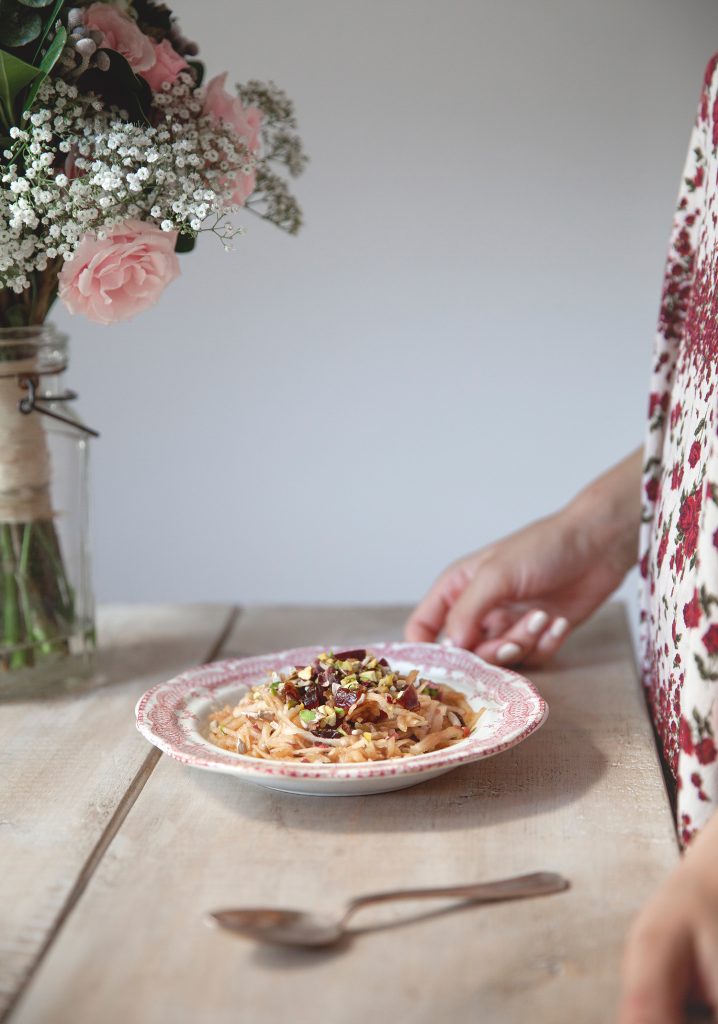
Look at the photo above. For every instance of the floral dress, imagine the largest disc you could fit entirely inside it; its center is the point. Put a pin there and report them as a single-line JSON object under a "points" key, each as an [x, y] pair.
{"points": [[679, 544]]}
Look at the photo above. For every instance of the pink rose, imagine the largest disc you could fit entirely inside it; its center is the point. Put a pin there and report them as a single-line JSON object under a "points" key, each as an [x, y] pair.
{"points": [[166, 67], [245, 121], [121, 34], [116, 277]]}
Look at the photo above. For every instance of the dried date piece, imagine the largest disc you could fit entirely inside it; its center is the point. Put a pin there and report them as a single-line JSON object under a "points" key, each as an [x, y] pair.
{"points": [[409, 698], [345, 698], [356, 655], [327, 732], [312, 696], [291, 692]]}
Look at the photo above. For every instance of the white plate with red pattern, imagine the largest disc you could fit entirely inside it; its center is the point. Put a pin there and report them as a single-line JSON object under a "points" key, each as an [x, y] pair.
{"points": [[174, 716]]}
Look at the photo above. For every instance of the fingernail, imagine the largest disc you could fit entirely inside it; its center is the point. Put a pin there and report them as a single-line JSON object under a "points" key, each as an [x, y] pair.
{"points": [[446, 641], [537, 622], [559, 628], [508, 652]]}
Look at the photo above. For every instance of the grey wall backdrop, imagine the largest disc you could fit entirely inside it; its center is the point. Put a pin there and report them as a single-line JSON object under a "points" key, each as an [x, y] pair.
{"points": [[459, 338]]}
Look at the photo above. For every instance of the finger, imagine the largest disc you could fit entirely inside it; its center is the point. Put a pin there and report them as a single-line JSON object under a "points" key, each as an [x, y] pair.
{"points": [[464, 622], [428, 618], [499, 621], [707, 957], [657, 971], [552, 638], [517, 643]]}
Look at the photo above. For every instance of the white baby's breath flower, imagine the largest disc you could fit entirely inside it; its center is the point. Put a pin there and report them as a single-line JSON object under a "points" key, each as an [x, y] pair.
{"points": [[177, 171]]}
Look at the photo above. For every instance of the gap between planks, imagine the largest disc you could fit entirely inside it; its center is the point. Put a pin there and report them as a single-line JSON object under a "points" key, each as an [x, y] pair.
{"points": [[110, 831]]}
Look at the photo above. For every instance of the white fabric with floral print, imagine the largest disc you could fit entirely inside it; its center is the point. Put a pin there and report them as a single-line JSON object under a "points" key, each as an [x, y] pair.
{"points": [[679, 544]]}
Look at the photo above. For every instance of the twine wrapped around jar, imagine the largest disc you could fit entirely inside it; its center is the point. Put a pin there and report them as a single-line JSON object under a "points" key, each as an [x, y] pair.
{"points": [[24, 455]]}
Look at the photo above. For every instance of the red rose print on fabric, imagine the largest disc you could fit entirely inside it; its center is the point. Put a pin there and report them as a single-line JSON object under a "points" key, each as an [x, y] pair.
{"points": [[692, 611], [689, 521], [643, 566], [706, 751], [679, 535], [676, 477], [710, 639], [685, 736], [657, 403], [652, 489]]}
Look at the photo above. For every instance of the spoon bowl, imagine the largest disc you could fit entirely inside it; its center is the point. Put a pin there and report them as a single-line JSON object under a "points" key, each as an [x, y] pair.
{"points": [[280, 927]]}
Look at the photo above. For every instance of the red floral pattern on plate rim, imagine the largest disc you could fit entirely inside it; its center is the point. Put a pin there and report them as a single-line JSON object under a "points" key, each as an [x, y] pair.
{"points": [[165, 718]]}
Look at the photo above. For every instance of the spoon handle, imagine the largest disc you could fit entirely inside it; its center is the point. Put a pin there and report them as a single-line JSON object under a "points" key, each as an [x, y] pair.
{"points": [[540, 883]]}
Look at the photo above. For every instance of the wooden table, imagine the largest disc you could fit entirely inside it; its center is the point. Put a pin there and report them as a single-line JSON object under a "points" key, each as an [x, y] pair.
{"points": [[110, 853]]}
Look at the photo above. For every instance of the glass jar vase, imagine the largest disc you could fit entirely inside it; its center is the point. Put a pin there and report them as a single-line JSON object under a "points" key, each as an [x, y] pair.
{"points": [[47, 632]]}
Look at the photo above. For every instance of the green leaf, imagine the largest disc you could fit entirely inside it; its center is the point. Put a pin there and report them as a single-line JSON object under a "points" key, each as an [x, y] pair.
{"points": [[120, 87], [35, 3], [51, 19], [47, 64], [18, 25], [185, 243], [198, 68], [15, 74]]}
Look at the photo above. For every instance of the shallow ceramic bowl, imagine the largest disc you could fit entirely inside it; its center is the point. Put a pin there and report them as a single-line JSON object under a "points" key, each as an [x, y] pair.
{"points": [[174, 716]]}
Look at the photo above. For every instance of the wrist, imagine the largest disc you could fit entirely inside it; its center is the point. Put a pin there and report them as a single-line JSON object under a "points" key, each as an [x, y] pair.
{"points": [[606, 515]]}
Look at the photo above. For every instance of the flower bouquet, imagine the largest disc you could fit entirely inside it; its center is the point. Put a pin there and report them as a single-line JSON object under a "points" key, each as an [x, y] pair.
{"points": [[115, 157]]}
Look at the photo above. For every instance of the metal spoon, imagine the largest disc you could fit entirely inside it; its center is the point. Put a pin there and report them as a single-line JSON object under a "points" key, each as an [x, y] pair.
{"points": [[297, 928]]}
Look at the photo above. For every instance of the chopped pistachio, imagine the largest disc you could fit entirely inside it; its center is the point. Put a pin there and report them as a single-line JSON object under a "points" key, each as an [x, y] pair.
{"points": [[307, 716], [306, 673]]}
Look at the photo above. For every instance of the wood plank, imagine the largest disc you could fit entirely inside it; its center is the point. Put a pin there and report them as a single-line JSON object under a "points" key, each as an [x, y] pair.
{"points": [[72, 763], [274, 628], [584, 796]]}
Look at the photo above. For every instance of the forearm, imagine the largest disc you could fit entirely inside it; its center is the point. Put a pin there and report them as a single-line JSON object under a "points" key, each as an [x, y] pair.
{"points": [[609, 510]]}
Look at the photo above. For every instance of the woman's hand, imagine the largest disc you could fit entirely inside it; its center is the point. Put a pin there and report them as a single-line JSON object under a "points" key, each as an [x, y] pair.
{"points": [[671, 956], [516, 601]]}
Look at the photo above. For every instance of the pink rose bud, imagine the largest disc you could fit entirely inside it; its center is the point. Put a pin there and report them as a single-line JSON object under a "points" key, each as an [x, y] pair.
{"points": [[114, 278], [166, 67], [120, 33], [246, 122]]}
